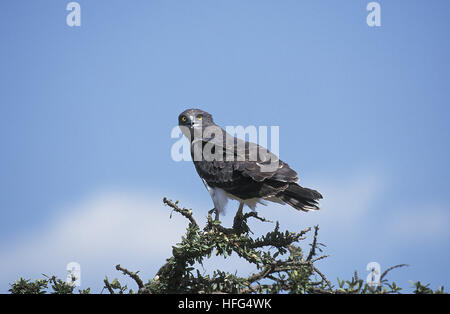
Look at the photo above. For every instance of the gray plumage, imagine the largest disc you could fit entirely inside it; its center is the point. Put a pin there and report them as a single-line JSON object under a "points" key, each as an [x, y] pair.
{"points": [[245, 178]]}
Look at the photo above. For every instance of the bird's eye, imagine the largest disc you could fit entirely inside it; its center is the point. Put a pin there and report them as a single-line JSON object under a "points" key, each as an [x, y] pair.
{"points": [[199, 117], [183, 118]]}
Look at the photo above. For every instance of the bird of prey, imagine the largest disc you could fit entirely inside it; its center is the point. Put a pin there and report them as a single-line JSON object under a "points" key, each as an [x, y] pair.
{"points": [[236, 173]]}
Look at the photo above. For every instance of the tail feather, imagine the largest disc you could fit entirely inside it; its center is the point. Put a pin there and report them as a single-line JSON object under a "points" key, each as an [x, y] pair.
{"points": [[300, 198]]}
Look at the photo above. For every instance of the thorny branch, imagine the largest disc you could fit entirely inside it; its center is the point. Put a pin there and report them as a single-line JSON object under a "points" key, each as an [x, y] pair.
{"points": [[183, 211], [391, 268], [108, 286], [236, 240], [133, 275], [291, 273]]}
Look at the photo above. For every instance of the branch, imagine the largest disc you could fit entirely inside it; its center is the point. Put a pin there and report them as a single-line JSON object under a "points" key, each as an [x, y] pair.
{"points": [[132, 275], [312, 252], [391, 268], [273, 269], [323, 277], [183, 211], [108, 286], [277, 239], [254, 215]]}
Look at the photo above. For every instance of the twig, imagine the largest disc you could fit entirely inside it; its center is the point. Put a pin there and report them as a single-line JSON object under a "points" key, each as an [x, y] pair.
{"points": [[320, 290], [108, 286], [391, 268], [312, 252], [261, 275], [255, 215], [132, 275], [278, 242], [319, 258], [183, 211], [323, 277]]}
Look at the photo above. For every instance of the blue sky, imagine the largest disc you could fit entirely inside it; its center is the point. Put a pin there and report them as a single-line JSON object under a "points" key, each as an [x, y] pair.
{"points": [[86, 115]]}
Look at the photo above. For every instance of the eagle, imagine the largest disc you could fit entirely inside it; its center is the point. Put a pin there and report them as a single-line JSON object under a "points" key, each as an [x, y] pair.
{"points": [[232, 168]]}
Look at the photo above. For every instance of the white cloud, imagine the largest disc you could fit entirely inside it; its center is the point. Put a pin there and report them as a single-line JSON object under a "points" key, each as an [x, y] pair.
{"points": [[98, 233], [419, 223]]}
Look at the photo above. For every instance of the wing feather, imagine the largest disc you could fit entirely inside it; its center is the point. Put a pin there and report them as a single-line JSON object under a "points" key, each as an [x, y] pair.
{"points": [[242, 176]]}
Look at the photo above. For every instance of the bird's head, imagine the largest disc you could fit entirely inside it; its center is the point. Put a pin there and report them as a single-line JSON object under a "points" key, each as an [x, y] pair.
{"points": [[192, 119]]}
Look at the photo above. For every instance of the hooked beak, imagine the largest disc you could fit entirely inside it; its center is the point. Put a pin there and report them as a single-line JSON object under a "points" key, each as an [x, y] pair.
{"points": [[192, 124]]}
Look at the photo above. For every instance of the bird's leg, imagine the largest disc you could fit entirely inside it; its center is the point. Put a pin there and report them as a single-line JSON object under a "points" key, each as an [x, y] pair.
{"points": [[216, 218], [241, 207], [238, 219]]}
